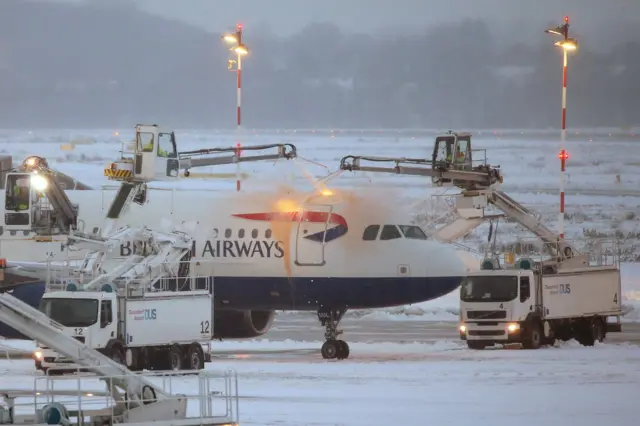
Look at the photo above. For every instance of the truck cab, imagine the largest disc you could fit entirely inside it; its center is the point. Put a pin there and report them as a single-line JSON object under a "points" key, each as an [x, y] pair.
{"points": [[453, 151], [35, 202], [85, 315], [494, 304], [154, 157]]}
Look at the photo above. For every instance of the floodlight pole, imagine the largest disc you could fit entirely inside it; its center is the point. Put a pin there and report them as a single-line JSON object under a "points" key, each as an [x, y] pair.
{"points": [[566, 44], [240, 50]]}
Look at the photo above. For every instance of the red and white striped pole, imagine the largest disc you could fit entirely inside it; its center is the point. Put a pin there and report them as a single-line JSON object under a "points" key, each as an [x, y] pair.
{"points": [[563, 138], [566, 44], [239, 104]]}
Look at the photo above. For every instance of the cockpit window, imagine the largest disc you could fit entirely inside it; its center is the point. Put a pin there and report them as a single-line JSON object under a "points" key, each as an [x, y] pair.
{"points": [[413, 232], [370, 232], [390, 232]]}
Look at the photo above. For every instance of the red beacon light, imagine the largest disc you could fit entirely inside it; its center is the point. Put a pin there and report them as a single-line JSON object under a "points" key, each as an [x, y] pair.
{"points": [[566, 19], [563, 155]]}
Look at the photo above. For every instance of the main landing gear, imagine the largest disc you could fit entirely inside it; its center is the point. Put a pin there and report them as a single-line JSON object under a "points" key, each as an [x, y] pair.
{"points": [[332, 348]]}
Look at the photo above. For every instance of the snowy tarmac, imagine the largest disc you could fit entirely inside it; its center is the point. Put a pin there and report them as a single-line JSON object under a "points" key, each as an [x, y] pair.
{"points": [[407, 370], [305, 327], [415, 373]]}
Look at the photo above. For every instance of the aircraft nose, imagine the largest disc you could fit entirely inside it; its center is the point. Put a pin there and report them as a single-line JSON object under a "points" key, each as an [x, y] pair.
{"points": [[445, 261], [444, 267]]}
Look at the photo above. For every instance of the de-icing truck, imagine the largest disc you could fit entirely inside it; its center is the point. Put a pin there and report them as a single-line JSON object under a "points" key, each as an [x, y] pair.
{"points": [[535, 303]]}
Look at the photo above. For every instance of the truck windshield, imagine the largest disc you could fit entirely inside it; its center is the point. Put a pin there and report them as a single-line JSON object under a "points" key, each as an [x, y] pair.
{"points": [[71, 312], [489, 289]]}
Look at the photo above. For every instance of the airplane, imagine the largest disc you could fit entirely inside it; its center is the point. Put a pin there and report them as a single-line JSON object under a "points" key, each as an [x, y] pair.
{"points": [[325, 251]]}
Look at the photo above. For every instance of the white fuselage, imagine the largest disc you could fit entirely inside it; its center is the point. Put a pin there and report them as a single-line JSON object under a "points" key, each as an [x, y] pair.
{"points": [[270, 245]]}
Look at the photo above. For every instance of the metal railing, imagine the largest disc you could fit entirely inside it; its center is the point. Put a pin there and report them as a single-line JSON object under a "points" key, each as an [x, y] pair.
{"points": [[180, 276], [216, 400], [599, 251]]}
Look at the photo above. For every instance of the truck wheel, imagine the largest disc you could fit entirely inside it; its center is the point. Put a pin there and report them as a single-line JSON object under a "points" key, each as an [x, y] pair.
{"points": [[115, 351], [475, 345], [533, 336], [132, 359], [585, 333], [176, 358], [598, 329], [195, 357]]}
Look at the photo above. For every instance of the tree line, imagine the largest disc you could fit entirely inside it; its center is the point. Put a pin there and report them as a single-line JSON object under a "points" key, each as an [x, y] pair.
{"points": [[65, 65]]}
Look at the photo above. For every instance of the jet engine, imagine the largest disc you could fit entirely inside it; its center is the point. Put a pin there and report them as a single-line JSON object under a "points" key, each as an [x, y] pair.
{"points": [[241, 324]]}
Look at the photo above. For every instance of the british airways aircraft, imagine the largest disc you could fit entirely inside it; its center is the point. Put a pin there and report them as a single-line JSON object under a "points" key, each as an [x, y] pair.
{"points": [[326, 251]]}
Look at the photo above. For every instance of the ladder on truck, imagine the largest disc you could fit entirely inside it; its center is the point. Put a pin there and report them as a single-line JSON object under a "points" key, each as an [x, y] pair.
{"points": [[478, 185], [138, 400], [35, 200], [471, 205]]}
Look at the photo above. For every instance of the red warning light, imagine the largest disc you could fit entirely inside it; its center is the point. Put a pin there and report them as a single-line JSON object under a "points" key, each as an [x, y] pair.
{"points": [[563, 155], [566, 19], [240, 25]]}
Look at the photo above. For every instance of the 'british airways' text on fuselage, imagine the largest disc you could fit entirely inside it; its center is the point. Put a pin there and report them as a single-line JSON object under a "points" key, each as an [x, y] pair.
{"points": [[222, 248]]}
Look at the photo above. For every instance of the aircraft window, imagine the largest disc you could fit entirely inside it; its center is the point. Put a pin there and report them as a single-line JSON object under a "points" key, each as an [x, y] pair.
{"points": [[241, 233], [214, 234], [390, 232], [145, 142], [414, 232], [370, 232], [254, 233], [267, 234], [227, 233]]}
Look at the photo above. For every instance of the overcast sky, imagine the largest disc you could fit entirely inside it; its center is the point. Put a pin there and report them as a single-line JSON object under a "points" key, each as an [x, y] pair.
{"points": [[288, 16]]}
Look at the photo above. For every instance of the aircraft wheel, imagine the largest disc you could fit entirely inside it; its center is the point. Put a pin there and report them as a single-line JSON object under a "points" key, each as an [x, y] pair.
{"points": [[330, 349], [343, 352]]}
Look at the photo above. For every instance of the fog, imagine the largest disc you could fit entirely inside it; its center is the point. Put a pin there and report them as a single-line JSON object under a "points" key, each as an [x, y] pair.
{"points": [[359, 63]]}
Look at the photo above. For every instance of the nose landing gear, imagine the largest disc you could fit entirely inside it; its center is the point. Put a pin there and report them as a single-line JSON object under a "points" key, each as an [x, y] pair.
{"points": [[333, 348]]}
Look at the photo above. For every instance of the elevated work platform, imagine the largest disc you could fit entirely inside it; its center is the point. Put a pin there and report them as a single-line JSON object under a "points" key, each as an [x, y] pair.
{"points": [[452, 164], [65, 181], [35, 200]]}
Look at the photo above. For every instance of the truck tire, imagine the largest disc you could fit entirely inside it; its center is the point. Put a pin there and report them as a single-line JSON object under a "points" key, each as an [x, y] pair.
{"points": [[533, 336], [478, 346], [599, 330], [132, 359], [590, 332], [115, 351], [195, 357], [176, 358]]}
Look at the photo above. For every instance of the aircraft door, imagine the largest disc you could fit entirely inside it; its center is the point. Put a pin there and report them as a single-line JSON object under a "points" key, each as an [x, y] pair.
{"points": [[311, 234], [18, 201]]}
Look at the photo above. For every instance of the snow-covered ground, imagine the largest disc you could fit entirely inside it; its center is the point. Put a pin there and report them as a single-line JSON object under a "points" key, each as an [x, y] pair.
{"points": [[603, 183], [414, 384]]}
